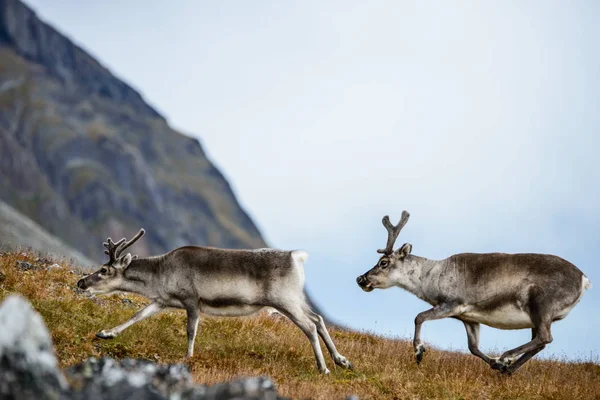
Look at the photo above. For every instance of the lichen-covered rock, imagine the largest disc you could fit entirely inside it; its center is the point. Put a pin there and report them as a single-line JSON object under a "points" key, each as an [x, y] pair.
{"points": [[106, 378], [26, 266], [28, 366]]}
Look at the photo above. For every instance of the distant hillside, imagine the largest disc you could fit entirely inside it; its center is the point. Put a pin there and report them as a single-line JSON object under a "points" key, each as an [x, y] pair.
{"points": [[228, 348], [85, 157], [17, 231]]}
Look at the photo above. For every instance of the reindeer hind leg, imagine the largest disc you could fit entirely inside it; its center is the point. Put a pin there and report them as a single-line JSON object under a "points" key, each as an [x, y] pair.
{"points": [[306, 325], [540, 310], [322, 331]]}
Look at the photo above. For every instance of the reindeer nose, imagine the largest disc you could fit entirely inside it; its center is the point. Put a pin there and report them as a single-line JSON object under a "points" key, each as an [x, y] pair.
{"points": [[81, 284], [360, 280]]}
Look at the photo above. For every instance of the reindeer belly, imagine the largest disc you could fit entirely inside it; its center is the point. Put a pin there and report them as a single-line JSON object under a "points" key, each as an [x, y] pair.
{"points": [[229, 310], [230, 297], [508, 316]]}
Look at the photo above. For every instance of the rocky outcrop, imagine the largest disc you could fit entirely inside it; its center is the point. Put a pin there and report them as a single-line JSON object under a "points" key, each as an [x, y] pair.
{"points": [[28, 366], [85, 157], [29, 370], [99, 379]]}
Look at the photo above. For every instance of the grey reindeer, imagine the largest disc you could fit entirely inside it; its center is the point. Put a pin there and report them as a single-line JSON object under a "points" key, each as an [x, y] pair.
{"points": [[505, 291], [213, 281]]}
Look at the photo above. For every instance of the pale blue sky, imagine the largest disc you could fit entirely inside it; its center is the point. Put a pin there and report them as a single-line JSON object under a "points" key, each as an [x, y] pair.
{"points": [[480, 118]]}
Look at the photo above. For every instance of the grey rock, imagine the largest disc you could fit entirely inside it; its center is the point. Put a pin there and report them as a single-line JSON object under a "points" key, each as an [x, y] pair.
{"points": [[257, 388], [26, 266], [106, 378], [28, 366]]}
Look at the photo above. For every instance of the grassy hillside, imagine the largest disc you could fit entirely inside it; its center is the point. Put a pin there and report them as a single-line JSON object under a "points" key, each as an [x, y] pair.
{"points": [[231, 347]]}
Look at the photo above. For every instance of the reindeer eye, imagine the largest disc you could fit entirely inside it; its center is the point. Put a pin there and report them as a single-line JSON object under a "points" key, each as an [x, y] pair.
{"points": [[103, 271], [383, 264]]}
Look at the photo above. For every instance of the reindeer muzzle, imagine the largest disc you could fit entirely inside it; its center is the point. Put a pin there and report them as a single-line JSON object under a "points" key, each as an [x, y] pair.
{"points": [[81, 284], [364, 283]]}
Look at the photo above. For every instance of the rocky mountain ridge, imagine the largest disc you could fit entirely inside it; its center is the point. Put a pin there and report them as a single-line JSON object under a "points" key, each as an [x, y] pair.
{"points": [[84, 156]]}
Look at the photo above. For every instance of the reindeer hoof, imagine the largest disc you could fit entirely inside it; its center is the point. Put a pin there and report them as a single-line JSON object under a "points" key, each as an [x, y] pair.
{"points": [[507, 361], [325, 371], [105, 335], [344, 363], [419, 352], [499, 365]]}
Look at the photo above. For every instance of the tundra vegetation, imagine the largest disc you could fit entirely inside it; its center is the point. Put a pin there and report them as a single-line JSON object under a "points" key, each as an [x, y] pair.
{"points": [[228, 348]]}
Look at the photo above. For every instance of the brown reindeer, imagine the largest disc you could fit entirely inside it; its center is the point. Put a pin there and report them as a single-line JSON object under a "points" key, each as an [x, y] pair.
{"points": [[505, 291]]}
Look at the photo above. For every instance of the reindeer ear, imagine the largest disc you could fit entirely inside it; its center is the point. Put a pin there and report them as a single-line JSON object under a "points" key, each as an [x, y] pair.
{"points": [[123, 262], [404, 250]]}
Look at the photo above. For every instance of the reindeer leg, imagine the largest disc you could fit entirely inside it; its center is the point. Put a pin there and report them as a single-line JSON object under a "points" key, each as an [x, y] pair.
{"points": [[438, 312], [507, 364], [297, 315], [473, 337], [541, 335], [144, 313], [322, 330], [193, 316], [522, 360]]}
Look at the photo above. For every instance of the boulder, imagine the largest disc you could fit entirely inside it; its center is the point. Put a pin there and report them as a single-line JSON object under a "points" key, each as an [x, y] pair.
{"points": [[28, 366]]}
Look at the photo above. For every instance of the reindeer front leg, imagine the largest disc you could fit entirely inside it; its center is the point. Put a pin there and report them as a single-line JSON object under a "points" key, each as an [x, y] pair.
{"points": [[193, 316], [438, 312], [144, 313]]}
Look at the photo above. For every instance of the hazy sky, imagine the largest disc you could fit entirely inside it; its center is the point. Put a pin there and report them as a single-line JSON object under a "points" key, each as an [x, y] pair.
{"points": [[480, 118]]}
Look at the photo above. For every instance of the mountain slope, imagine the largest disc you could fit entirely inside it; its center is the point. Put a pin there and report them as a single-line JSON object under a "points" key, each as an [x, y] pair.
{"points": [[85, 157], [18, 231]]}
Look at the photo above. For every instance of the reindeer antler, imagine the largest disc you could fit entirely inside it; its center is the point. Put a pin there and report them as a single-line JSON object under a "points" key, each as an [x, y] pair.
{"points": [[111, 249], [393, 231], [114, 250]]}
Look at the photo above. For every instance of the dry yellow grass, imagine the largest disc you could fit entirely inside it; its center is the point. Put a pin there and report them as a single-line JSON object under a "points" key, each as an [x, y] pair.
{"points": [[233, 347]]}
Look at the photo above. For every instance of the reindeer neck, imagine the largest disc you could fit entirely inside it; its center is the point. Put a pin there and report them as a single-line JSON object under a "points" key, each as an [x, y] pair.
{"points": [[140, 275], [418, 273]]}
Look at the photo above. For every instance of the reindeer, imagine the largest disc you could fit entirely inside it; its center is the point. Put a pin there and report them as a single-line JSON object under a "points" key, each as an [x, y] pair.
{"points": [[213, 281], [504, 291]]}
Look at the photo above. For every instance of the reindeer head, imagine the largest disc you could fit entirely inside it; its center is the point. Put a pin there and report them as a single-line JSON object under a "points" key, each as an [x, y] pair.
{"points": [[391, 262], [109, 277]]}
